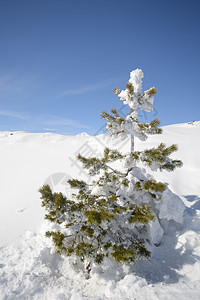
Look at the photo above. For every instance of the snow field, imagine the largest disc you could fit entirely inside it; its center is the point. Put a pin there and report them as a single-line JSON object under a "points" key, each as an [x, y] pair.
{"points": [[29, 268]]}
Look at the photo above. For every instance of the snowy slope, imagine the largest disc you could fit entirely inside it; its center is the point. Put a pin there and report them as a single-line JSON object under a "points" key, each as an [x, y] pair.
{"points": [[28, 267]]}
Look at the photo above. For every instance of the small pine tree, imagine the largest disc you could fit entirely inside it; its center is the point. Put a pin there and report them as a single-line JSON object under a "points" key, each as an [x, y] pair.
{"points": [[110, 216]]}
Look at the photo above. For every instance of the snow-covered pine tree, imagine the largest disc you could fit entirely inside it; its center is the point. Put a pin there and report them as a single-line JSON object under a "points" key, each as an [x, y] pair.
{"points": [[120, 211]]}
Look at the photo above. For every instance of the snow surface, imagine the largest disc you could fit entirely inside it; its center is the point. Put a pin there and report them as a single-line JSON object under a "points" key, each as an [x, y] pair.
{"points": [[29, 268]]}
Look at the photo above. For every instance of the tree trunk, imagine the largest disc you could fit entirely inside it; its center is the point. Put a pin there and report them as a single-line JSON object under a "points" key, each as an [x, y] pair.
{"points": [[132, 142]]}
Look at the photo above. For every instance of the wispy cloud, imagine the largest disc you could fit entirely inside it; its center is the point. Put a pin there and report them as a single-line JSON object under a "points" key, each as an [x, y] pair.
{"points": [[59, 121], [14, 83], [45, 121], [14, 114], [90, 88]]}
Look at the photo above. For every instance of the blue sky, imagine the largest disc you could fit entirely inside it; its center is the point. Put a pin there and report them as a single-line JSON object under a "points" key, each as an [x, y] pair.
{"points": [[60, 60]]}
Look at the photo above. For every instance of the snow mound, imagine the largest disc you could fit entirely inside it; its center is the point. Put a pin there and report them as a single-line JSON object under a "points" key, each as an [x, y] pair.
{"points": [[171, 207]]}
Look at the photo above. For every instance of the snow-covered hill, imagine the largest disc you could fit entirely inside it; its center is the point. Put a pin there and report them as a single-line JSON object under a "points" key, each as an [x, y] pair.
{"points": [[28, 267]]}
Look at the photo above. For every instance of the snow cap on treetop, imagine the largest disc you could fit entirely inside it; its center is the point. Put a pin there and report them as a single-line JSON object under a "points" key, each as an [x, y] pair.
{"points": [[132, 94], [136, 80]]}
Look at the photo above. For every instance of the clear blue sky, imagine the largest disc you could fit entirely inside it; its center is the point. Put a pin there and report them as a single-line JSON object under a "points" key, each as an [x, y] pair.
{"points": [[60, 60]]}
